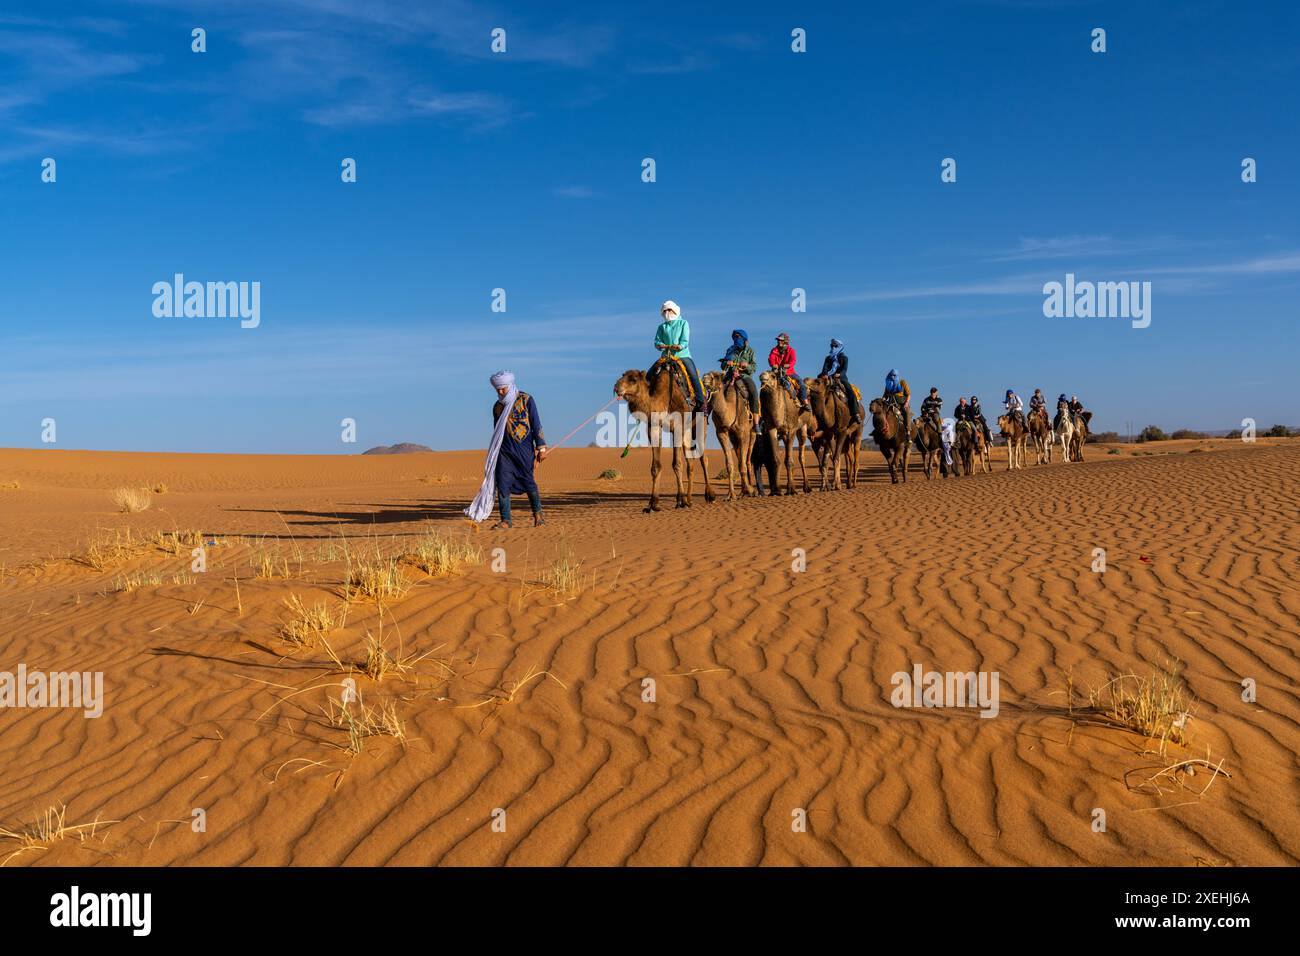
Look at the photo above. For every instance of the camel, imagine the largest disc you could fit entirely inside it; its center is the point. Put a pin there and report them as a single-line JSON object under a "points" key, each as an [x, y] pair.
{"points": [[982, 450], [1017, 438], [1063, 427], [785, 420], [1080, 437], [762, 460], [659, 401], [840, 433], [734, 426], [968, 439], [1040, 429], [890, 437], [928, 438]]}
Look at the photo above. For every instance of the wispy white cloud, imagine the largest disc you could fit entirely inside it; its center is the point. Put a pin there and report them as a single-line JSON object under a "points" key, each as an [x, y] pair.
{"points": [[1085, 247], [574, 192]]}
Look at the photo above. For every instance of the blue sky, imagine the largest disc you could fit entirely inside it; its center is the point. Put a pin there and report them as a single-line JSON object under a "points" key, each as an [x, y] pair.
{"points": [[522, 171]]}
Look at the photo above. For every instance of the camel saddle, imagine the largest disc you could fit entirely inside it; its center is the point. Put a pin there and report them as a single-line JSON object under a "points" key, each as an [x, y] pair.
{"points": [[678, 371], [838, 388]]}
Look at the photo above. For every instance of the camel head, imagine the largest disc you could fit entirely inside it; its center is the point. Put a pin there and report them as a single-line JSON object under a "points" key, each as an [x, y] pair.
{"points": [[767, 379], [877, 407], [632, 386], [712, 381]]}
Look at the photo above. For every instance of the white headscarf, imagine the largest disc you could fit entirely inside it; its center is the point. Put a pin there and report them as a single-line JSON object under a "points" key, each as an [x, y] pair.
{"points": [[670, 306], [483, 502]]}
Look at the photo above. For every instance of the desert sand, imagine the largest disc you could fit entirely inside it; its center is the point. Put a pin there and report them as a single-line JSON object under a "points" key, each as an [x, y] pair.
{"points": [[772, 686]]}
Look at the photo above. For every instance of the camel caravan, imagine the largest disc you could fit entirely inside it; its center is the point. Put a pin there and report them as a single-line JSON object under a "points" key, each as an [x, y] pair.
{"points": [[764, 427]]}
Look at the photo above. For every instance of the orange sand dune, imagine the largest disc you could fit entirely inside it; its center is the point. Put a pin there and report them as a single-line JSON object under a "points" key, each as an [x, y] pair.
{"points": [[772, 687]]}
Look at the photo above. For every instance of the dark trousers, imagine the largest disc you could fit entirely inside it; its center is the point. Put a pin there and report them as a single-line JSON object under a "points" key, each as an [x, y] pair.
{"points": [[751, 387], [848, 393], [503, 502]]}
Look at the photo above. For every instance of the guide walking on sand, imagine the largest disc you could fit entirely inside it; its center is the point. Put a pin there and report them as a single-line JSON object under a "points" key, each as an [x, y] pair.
{"points": [[517, 445]]}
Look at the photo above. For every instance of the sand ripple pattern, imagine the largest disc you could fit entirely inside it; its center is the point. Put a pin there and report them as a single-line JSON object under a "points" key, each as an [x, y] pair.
{"points": [[772, 687]]}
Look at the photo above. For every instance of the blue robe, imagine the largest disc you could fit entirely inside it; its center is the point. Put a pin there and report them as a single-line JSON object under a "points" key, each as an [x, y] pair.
{"points": [[514, 475]]}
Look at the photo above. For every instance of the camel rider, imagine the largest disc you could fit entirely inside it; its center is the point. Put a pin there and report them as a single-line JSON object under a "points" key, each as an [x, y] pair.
{"points": [[1038, 404], [899, 393], [739, 360], [932, 407], [1076, 407], [1015, 407], [962, 412], [836, 366], [781, 359], [976, 416], [674, 338]]}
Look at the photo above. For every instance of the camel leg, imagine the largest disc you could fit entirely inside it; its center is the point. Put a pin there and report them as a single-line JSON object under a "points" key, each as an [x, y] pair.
{"points": [[682, 501], [803, 469], [709, 494], [729, 455], [743, 454], [656, 450]]}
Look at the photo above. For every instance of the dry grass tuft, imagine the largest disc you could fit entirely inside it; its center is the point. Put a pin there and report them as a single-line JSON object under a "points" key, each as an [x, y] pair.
{"points": [[438, 554], [9, 486], [132, 500], [1158, 706], [51, 827], [442, 479], [610, 474], [137, 580], [375, 579], [178, 542], [159, 489], [111, 548], [366, 721], [565, 575], [306, 626]]}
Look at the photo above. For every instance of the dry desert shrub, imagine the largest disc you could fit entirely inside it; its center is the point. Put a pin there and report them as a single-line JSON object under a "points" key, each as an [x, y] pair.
{"points": [[374, 578], [305, 626], [365, 721], [49, 828], [160, 488], [1157, 706], [565, 575], [132, 500], [438, 554], [437, 479], [9, 486], [137, 580], [176, 542], [110, 548], [610, 474]]}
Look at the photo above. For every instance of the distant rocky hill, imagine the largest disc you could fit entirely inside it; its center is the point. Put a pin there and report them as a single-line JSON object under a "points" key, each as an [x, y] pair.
{"points": [[401, 448]]}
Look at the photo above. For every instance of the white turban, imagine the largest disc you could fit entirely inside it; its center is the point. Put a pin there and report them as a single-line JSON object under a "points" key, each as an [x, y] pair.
{"points": [[670, 306], [481, 507]]}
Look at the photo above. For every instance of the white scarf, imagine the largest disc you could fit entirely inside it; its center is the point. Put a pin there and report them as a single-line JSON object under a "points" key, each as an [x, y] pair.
{"points": [[486, 498]]}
